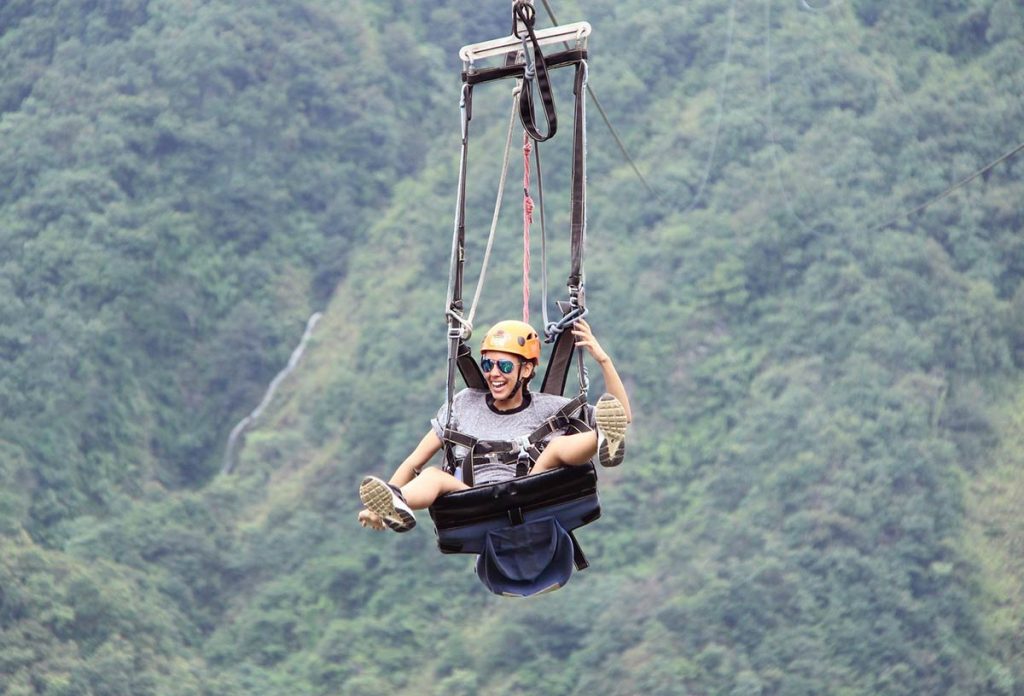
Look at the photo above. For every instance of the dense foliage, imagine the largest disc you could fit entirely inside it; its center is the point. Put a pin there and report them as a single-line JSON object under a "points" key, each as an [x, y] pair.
{"points": [[823, 487]]}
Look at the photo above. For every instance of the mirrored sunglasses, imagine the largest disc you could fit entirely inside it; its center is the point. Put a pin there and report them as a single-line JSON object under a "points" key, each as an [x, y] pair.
{"points": [[505, 366]]}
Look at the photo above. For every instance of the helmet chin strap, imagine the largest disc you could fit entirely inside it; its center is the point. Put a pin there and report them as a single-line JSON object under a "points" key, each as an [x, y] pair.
{"points": [[519, 381]]}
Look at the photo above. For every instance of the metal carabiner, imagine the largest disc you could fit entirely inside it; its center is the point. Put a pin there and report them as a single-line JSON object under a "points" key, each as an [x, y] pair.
{"points": [[463, 331], [554, 328]]}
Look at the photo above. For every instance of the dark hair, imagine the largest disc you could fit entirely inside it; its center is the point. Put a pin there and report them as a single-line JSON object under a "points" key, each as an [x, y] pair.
{"points": [[536, 364]]}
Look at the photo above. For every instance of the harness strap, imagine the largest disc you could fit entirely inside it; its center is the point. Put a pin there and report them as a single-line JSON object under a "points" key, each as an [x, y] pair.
{"points": [[579, 559], [458, 330], [557, 373], [525, 449], [578, 212], [537, 68], [559, 420], [469, 368], [560, 358], [460, 327], [455, 437]]}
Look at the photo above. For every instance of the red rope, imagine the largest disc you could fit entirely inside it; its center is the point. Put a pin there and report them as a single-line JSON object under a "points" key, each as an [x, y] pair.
{"points": [[527, 220]]}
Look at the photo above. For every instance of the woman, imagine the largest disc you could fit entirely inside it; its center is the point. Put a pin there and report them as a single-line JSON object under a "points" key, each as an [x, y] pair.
{"points": [[506, 411]]}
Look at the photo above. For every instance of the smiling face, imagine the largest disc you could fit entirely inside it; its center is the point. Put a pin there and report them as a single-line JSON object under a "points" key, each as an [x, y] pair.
{"points": [[502, 385]]}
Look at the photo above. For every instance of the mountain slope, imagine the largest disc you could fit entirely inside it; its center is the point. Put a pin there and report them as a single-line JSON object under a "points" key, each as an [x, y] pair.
{"points": [[819, 492]]}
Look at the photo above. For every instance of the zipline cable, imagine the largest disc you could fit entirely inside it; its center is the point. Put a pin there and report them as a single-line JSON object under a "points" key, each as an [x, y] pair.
{"points": [[789, 204], [951, 188], [718, 117], [607, 121], [774, 143]]}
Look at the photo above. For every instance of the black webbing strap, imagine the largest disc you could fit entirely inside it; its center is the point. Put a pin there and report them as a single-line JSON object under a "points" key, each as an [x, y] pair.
{"points": [[456, 345], [560, 420], [526, 14], [500, 450], [516, 69], [450, 438], [561, 355], [469, 368], [579, 559], [459, 438], [560, 359], [578, 212]]}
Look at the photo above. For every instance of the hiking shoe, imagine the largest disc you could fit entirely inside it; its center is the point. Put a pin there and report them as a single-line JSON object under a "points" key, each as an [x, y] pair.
{"points": [[610, 415], [388, 502]]}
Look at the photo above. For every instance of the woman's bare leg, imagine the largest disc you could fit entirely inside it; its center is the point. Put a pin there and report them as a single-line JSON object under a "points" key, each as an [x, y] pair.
{"points": [[567, 450], [423, 490]]}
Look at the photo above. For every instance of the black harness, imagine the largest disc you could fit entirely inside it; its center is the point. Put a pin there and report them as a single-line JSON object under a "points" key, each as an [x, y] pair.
{"points": [[521, 453]]}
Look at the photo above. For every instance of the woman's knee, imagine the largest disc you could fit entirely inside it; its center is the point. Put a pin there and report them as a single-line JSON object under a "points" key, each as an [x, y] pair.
{"points": [[442, 479]]}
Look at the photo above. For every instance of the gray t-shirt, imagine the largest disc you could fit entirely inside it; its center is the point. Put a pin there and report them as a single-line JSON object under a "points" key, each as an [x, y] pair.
{"points": [[474, 414]]}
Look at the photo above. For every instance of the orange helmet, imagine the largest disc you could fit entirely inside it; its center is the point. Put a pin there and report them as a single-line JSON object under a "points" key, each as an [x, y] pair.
{"points": [[516, 337]]}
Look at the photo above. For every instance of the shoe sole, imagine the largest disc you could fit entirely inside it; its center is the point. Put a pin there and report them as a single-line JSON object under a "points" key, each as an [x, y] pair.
{"points": [[379, 499], [610, 416]]}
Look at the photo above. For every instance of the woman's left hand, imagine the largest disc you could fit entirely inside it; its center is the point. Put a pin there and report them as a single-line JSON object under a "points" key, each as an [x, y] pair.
{"points": [[585, 339]]}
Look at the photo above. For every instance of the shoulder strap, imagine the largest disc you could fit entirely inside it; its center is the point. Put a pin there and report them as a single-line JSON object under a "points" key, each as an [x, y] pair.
{"points": [[451, 438], [469, 368], [562, 418]]}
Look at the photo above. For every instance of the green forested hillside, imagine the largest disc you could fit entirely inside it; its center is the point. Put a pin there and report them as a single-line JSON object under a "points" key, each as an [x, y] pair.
{"points": [[824, 478]]}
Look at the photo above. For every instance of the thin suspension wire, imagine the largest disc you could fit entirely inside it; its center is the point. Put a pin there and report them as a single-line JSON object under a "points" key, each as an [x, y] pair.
{"points": [[718, 118], [454, 267], [770, 122], [824, 8], [770, 91], [618, 140], [950, 189], [497, 206], [721, 109], [607, 121], [896, 218]]}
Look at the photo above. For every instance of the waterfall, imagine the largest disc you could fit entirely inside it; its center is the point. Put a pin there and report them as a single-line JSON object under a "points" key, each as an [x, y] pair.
{"points": [[230, 455]]}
